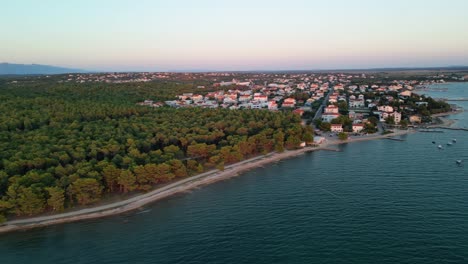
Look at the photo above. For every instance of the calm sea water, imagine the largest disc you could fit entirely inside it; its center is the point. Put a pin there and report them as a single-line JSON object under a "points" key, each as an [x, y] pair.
{"points": [[375, 202]]}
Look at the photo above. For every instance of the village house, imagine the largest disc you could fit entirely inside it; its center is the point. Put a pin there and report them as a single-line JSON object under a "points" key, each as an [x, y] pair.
{"points": [[385, 108], [358, 128], [328, 117], [406, 93], [260, 97], [396, 116], [289, 102], [272, 105], [336, 128], [356, 103], [244, 98], [415, 119], [197, 98], [331, 109]]}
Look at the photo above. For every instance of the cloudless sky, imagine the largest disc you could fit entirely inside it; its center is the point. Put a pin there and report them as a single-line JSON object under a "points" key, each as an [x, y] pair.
{"points": [[234, 34]]}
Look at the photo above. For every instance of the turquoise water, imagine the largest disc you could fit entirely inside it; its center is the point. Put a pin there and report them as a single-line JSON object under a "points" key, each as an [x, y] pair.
{"points": [[375, 202]]}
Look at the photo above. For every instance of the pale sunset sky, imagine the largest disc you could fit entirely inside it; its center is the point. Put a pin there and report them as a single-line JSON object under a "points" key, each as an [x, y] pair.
{"points": [[157, 35]]}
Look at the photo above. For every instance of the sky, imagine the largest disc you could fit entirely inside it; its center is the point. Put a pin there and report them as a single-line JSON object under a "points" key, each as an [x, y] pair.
{"points": [[169, 35]]}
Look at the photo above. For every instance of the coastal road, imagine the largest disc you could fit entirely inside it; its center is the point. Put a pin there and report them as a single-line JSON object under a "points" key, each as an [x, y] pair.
{"points": [[318, 114]]}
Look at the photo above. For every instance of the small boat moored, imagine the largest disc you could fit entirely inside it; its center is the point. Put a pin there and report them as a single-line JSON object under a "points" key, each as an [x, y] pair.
{"points": [[440, 146]]}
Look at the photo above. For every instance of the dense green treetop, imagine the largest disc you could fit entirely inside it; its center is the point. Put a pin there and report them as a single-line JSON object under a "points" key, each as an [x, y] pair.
{"points": [[73, 144]]}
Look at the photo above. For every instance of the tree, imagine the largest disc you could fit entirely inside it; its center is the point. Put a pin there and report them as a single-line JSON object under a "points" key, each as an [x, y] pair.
{"points": [[85, 191], [342, 136], [164, 173], [293, 142], [56, 198], [5, 207], [143, 177], [308, 138], [325, 126], [370, 128], [29, 201], [192, 166], [404, 123], [279, 141], [220, 166], [390, 120], [111, 175], [126, 181], [178, 168], [374, 120]]}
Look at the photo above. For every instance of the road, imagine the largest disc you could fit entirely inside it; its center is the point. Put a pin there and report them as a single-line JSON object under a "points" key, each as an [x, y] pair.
{"points": [[319, 112]]}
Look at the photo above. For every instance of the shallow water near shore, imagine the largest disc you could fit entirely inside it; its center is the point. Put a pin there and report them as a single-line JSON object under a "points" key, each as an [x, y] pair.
{"points": [[378, 201]]}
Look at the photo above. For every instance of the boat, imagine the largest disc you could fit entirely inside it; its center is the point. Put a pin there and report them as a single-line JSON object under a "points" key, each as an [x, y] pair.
{"points": [[454, 140], [440, 146], [449, 143], [433, 142], [459, 162]]}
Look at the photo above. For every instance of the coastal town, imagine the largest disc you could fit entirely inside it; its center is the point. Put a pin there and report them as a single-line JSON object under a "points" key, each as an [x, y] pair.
{"points": [[336, 103]]}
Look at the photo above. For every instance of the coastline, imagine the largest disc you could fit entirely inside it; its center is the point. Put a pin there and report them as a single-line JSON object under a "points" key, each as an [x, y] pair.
{"points": [[177, 187], [183, 185]]}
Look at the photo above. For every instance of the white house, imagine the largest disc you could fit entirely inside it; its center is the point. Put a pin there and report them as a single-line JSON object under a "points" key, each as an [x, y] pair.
{"points": [[356, 103], [328, 117], [396, 116], [272, 105], [385, 108], [331, 109], [337, 128], [358, 128]]}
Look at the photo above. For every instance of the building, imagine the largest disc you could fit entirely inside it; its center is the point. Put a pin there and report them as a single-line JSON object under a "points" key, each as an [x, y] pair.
{"points": [[396, 116], [415, 119], [356, 103], [358, 128], [197, 98], [331, 109], [385, 108], [337, 128], [289, 102], [328, 117]]}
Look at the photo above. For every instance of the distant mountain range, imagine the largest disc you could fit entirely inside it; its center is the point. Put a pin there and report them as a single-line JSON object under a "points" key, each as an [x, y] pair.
{"points": [[38, 69], [31, 69]]}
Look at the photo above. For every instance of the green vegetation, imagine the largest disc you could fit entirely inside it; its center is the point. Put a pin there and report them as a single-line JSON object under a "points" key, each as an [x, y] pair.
{"points": [[66, 145], [343, 136]]}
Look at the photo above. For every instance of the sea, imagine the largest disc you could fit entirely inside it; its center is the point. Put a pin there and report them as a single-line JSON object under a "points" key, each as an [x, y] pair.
{"points": [[380, 201]]}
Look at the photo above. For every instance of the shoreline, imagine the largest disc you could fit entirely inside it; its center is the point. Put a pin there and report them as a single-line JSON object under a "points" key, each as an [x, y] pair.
{"points": [[205, 178], [183, 185]]}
